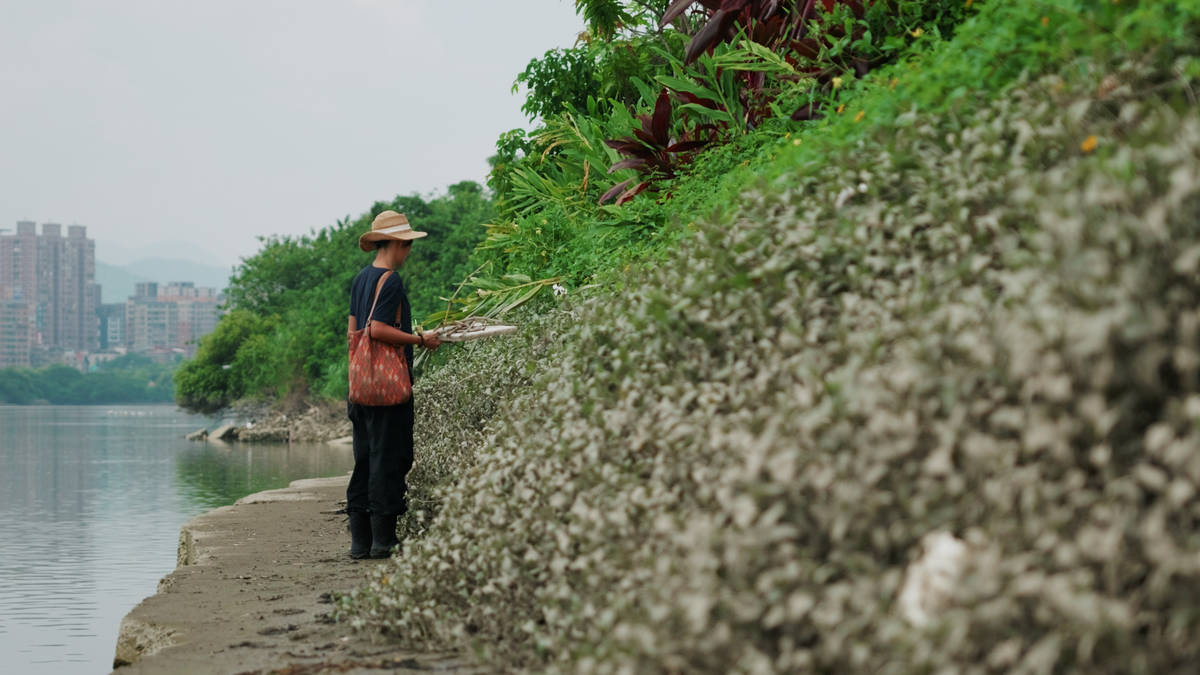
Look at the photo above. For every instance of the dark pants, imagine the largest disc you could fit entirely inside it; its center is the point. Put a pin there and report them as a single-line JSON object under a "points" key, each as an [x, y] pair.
{"points": [[383, 455]]}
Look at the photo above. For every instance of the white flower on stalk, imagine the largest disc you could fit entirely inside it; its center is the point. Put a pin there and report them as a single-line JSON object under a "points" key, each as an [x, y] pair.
{"points": [[559, 290], [843, 197]]}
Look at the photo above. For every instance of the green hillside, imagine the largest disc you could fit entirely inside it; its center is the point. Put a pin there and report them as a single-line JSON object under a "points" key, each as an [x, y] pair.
{"points": [[882, 276]]}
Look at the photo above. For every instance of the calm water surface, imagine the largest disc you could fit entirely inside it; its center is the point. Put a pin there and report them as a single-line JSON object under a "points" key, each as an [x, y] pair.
{"points": [[92, 499]]}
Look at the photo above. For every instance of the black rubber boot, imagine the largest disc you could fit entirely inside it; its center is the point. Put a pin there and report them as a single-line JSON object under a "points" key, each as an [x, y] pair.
{"points": [[360, 534], [383, 535]]}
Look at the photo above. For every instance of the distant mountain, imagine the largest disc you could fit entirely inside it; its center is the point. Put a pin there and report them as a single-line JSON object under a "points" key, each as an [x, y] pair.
{"points": [[166, 270], [117, 281]]}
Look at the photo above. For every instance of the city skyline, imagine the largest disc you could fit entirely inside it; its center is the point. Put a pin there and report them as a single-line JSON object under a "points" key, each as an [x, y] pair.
{"points": [[51, 308], [114, 252]]}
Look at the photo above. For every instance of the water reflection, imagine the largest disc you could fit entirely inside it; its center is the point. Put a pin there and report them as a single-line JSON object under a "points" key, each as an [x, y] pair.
{"points": [[92, 500], [215, 474]]}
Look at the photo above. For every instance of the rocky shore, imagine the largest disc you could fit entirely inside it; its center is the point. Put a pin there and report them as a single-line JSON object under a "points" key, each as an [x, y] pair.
{"points": [[309, 421], [252, 594]]}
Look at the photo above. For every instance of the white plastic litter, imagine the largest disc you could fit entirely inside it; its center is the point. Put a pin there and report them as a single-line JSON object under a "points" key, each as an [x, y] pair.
{"points": [[930, 580]]}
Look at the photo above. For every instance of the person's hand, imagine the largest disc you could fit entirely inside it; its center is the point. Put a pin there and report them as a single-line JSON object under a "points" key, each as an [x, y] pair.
{"points": [[431, 339]]}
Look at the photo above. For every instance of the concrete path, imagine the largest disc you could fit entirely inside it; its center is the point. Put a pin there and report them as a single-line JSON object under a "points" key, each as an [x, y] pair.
{"points": [[251, 595]]}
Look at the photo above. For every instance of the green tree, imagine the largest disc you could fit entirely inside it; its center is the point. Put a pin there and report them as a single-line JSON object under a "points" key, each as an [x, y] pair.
{"points": [[562, 79], [287, 331], [19, 386], [129, 379], [607, 19], [210, 382]]}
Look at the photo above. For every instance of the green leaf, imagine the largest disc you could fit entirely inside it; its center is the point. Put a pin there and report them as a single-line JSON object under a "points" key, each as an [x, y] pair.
{"points": [[680, 84], [709, 113]]}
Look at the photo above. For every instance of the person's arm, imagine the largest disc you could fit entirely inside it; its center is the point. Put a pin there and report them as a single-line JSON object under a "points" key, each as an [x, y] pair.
{"points": [[387, 306], [379, 330]]}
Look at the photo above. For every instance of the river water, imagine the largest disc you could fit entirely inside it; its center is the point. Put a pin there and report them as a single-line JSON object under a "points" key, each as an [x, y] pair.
{"points": [[91, 502]]}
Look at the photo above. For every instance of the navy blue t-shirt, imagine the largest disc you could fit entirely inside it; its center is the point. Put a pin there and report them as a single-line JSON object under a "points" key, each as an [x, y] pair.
{"points": [[392, 297]]}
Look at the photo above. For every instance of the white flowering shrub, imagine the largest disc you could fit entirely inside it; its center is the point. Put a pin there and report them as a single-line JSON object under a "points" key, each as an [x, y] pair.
{"points": [[457, 399], [986, 325]]}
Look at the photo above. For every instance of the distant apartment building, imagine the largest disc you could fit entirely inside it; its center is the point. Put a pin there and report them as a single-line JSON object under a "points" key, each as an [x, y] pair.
{"points": [[112, 326], [16, 329], [170, 317], [79, 326], [50, 310], [18, 295], [18, 261], [54, 278]]}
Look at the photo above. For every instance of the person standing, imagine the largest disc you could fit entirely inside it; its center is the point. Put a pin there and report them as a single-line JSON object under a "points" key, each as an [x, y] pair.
{"points": [[383, 435]]}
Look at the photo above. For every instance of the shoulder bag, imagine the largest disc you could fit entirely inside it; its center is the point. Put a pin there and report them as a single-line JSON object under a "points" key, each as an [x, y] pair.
{"points": [[378, 370]]}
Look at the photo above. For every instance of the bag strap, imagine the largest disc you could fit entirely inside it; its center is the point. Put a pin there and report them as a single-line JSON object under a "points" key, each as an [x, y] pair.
{"points": [[378, 290]]}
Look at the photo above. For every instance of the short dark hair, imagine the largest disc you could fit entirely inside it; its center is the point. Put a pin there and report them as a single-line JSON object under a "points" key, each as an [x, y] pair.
{"points": [[383, 243]]}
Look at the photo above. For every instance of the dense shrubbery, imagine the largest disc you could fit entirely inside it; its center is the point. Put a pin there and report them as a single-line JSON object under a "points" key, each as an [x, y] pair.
{"points": [[733, 107], [710, 94], [286, 331], [128, 379], [967, 309]]}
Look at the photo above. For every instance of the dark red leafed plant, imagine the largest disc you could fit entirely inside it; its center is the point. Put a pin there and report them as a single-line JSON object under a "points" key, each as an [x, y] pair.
{"points": [[797, 30], [774, 23], [652, 151], [785, 27]]}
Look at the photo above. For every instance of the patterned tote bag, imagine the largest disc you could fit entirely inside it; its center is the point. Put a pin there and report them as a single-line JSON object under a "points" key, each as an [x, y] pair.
{"points": [[378, 370]]}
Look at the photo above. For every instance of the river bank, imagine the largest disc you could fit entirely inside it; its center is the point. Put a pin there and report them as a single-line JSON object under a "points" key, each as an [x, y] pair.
{"points": [[251, 594], [302, 421]]}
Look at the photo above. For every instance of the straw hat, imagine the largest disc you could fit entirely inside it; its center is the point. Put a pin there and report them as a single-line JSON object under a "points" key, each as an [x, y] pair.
{"points": [[388, 225]]}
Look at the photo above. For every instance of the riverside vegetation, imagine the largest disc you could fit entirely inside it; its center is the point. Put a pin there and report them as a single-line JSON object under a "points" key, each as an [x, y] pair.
{"points": [[956, 293], [128, 379], [278, 340]]}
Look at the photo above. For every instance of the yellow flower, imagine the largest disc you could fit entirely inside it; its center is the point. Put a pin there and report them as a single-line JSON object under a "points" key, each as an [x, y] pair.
{"points": [[893, 83], [837, 82], [918, 32], [840, 108], [1089, 144], [795, 141], [861, 114]]}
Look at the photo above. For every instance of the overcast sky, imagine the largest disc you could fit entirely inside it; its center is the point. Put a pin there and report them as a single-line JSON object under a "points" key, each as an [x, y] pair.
{"points": [[186, 129]]}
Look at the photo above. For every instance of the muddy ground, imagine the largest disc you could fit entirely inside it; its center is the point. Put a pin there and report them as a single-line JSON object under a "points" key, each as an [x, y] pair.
{"points": [[252, 594]]}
